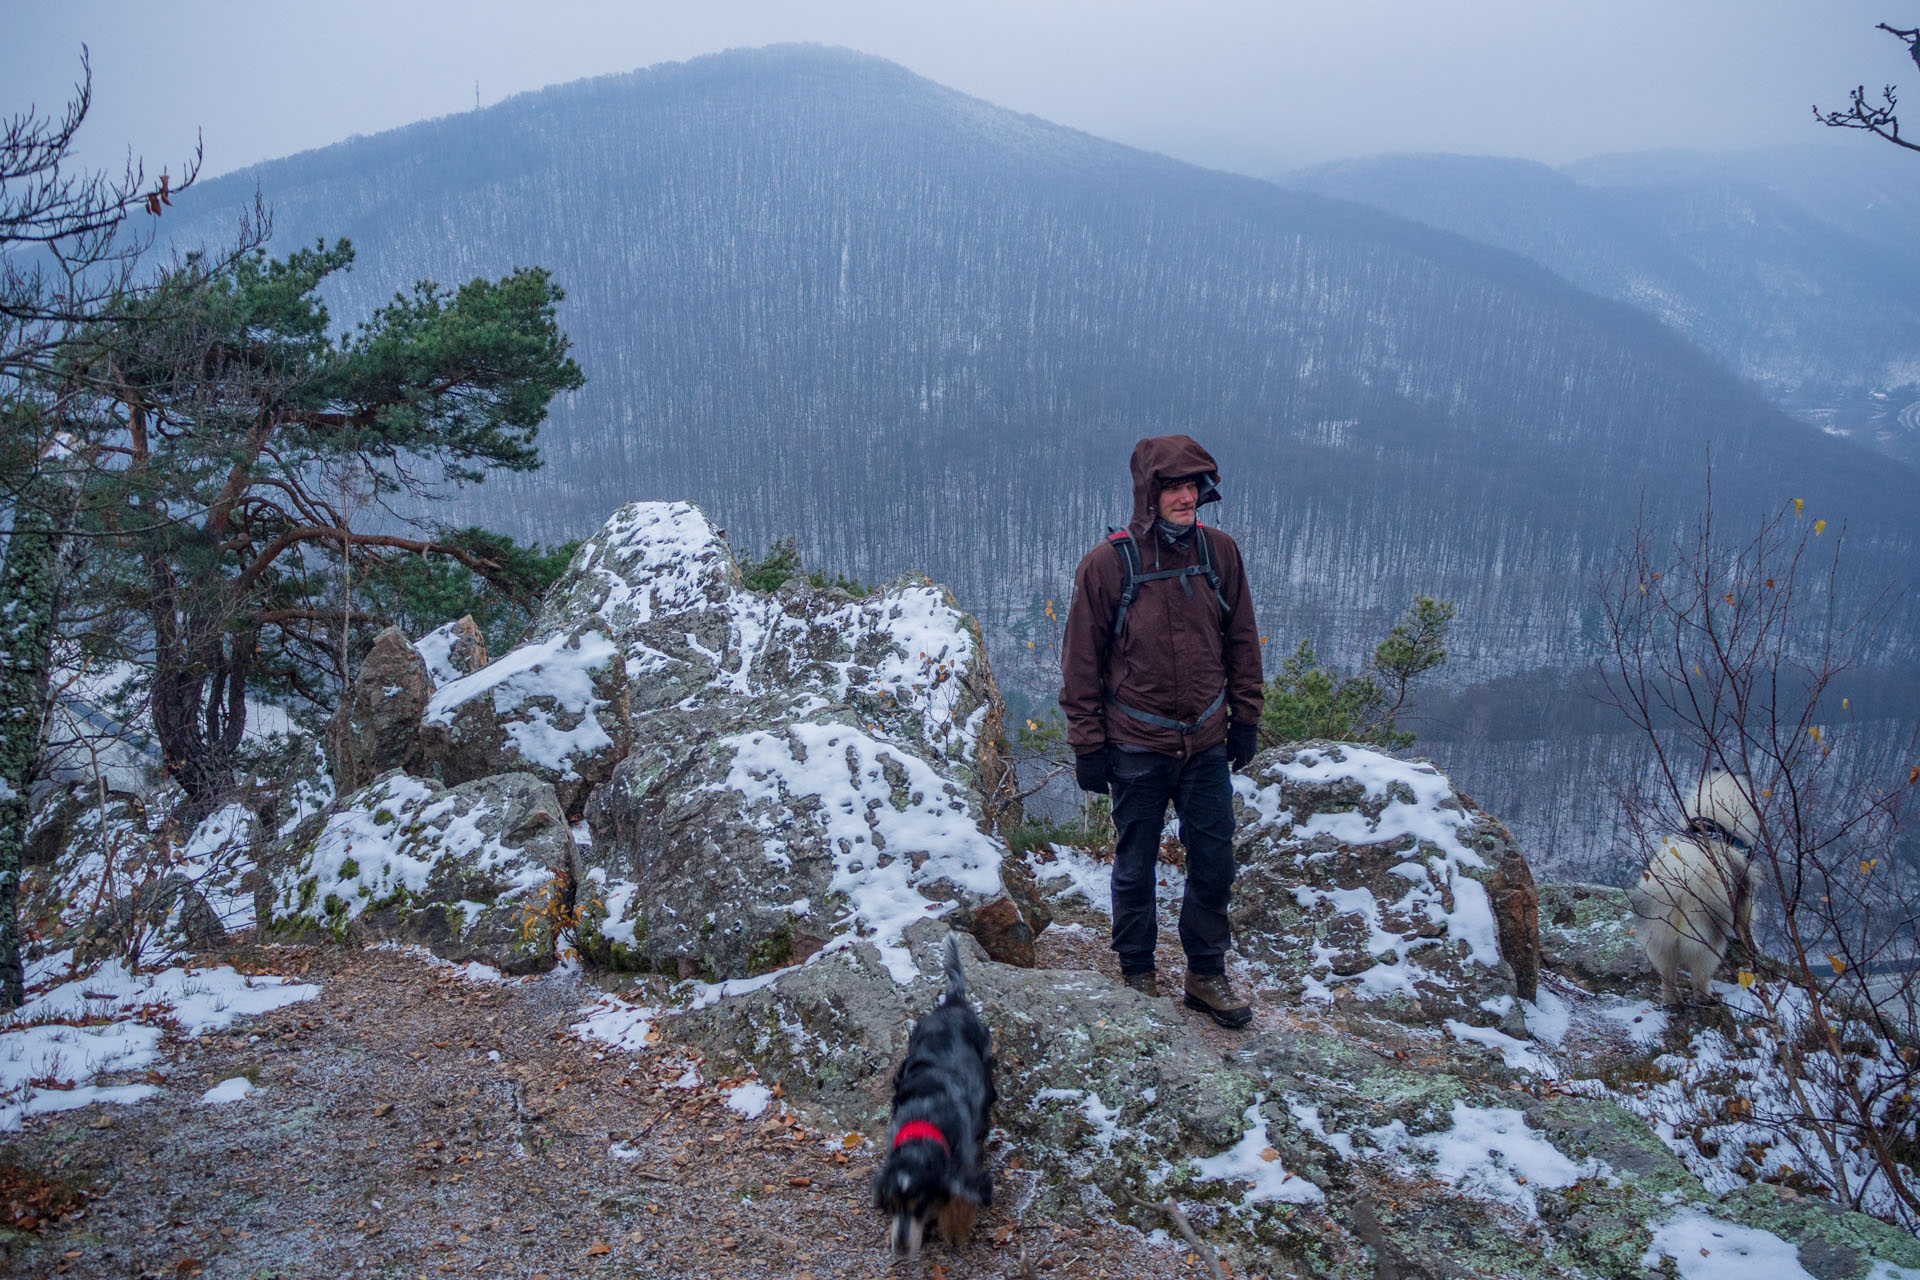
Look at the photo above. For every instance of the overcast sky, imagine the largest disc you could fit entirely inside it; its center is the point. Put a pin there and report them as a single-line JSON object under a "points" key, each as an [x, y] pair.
{"points": [[1254, 85]]}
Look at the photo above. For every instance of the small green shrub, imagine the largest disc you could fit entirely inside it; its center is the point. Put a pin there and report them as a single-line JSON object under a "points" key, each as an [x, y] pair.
{"points": [[782, 563], [1306, 700]]}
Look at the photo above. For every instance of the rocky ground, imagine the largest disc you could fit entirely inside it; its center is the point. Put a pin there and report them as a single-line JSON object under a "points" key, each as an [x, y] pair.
{"points": [[387, 1140]]}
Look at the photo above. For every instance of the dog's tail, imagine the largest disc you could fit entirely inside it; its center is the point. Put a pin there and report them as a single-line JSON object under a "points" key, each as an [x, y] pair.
{"points": [[956, 991]]}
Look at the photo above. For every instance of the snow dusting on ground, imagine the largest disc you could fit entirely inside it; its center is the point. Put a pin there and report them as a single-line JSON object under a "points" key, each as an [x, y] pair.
{"points": [[74, 1042]]}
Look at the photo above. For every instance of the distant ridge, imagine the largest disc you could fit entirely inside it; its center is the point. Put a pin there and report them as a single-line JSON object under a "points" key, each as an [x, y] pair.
{"points": [[1795, 268]]}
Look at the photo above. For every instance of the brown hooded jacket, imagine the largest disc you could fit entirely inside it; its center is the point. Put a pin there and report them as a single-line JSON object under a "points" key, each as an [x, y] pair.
{"points": [[1174, 656]]}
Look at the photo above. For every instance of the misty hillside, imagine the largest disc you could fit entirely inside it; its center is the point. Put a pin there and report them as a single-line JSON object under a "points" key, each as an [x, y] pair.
{"points": [[1793, 266], [820, 295]]}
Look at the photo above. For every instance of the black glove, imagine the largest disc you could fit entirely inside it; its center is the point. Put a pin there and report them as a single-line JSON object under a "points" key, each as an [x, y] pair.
{"points": [[1091, 772], [1242, 741]]}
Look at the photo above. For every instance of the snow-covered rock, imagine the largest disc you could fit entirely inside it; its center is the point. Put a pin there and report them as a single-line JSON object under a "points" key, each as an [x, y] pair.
{"points": [[727, 855], [473, 872], [1367, 878], [805, 763], [452, 650], [110, 876], [555, 708], [904, 660]]}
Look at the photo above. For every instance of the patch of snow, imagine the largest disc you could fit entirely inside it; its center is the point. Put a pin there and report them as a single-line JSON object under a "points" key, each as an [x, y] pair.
{"points": [[613, 1021], [230, 1090], [1067, 870], [1253, 1161], [558, 670], [1704, 1248], [1644, 1022], [1308, 1118], [1490, 1153], [1104, 1119], [750, 1099], [1518, 1054], [1549, 1017], [68, 1061]]}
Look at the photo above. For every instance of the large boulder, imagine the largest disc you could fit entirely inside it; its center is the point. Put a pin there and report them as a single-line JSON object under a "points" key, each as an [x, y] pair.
{"points": [[659, 579], [1367, 879], [555, 708], [1587, 934], [377, 727], [473, 872], [730, 855], [807, 764]]}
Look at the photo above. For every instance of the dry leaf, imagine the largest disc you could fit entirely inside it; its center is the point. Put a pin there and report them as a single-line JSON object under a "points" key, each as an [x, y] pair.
{"points": [[1839, 965], [597, 1248], [1269, 1155], [799, 1182], [1002, 1234], [384, 1109], [1747, 978]]}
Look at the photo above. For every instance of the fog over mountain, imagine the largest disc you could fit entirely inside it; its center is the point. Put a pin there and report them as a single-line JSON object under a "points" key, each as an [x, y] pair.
{"points": [[1796, 268], [821, 296]]}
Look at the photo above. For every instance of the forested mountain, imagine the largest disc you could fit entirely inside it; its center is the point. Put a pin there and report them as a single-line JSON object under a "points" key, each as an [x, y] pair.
{"points": [[821, 296], [1795, 266]]}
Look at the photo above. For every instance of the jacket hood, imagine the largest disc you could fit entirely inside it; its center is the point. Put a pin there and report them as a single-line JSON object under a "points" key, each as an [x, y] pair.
{"points": [[1158, 459]]}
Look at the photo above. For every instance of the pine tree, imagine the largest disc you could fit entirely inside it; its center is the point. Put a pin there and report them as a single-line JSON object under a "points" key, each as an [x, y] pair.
{"points": [[252, 439]]}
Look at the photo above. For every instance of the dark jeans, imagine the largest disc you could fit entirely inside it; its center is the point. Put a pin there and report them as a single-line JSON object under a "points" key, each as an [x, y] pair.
{"points": [[1202, 794]]}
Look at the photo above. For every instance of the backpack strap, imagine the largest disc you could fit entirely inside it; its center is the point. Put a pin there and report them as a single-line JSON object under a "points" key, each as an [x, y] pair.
{"points": [[1213, 574], [1122, 541]]}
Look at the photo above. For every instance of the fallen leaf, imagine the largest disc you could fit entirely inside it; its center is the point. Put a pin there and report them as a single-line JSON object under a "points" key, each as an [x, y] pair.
{"points": [[597, 1248], [1002, 1234], [799, 1182], [384, 1109], [1269, 1155]]}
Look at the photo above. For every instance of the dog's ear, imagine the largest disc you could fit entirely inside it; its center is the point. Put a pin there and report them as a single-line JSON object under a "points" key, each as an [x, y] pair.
{"points": [[973, 1185]]}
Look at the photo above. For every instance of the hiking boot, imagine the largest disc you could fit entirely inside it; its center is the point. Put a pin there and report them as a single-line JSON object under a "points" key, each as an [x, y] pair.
{"points": [[1147, 984], [1213, 995]]}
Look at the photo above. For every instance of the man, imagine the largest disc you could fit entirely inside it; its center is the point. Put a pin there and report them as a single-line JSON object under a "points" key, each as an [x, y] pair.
{"points": [[1162, 694]]}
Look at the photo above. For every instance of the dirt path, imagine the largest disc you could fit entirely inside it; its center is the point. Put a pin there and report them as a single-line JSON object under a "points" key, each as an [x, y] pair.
{"points": [[388, 1139]]}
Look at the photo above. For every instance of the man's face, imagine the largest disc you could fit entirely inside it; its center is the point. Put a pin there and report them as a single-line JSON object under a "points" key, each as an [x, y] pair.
{"points": [[1179, 501]]}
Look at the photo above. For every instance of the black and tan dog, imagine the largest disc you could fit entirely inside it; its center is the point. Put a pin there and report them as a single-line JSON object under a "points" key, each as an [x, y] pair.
{"points": [[943, 1099]]}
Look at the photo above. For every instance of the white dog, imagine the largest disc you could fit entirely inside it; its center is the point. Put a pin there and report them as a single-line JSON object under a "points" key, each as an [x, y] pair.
{"points": [[1697, 885]]}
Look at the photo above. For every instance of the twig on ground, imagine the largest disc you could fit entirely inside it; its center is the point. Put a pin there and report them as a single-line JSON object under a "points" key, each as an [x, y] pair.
{"points": [[1171, 1209]]}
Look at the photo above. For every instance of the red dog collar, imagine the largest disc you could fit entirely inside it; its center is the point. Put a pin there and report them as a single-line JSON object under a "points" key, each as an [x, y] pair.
{"points": [[917, 1130]]}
